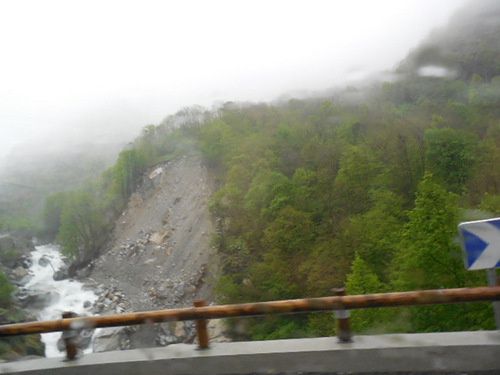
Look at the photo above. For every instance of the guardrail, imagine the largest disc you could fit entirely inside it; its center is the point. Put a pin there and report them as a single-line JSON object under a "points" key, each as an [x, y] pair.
{"points": [[201, 312]]}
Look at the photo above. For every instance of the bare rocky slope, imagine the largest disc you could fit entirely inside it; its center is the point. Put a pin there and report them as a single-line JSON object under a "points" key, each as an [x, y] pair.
{"points": [[160, 255]]}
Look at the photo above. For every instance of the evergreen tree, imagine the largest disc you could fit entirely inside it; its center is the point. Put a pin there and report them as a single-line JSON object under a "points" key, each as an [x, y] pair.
{"points": [[362, 280], [429, 258]]}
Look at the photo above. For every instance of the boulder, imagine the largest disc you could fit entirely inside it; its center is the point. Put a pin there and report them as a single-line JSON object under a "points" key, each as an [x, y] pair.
{"points": [[83, 273], [43, 261], [26, 261], [107, 339], [62, 273], [164, 336], [179, 330]]}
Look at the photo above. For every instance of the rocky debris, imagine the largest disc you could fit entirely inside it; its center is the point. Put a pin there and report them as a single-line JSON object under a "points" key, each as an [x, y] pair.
{"points": [[170, 292], [165, 337], [185, 332], [136, 248], [160, 254], [155, 173], [175, 332], [160, 237], [111, 300], [133, 248], [143, 336]]}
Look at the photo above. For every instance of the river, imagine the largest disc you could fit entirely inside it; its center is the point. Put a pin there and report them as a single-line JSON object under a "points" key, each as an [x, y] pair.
{"points": [[64, 295]]}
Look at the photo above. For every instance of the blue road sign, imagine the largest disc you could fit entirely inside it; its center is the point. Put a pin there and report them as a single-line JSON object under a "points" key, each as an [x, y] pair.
{"points": [[481, 243]]}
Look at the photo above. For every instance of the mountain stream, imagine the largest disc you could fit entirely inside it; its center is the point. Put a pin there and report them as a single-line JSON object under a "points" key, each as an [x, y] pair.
{"points": [[60, 295]]}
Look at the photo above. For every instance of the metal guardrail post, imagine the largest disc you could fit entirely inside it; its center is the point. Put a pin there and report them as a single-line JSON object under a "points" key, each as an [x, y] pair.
{"points": [[201, 327], [493, 280], [343, 320], [69, 338]]}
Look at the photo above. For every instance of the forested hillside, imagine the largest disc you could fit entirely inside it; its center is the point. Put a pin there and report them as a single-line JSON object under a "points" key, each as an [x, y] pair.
{"points": [[331, 192], [323, 194], [32, 174]]}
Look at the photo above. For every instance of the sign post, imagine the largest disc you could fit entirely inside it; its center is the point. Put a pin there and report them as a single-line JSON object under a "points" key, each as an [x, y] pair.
{"points": [[481, 244], [493, 281]]}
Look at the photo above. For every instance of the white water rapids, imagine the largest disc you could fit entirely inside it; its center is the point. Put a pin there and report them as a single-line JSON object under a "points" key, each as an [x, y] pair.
{"points": [[65, 295]]}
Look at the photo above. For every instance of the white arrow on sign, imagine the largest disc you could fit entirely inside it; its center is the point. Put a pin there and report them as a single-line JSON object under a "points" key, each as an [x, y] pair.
{"points": [[490, 256]]}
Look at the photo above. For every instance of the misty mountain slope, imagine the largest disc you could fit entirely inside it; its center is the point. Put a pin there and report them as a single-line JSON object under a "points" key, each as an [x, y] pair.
{"points": [[160, 255], [468, 45], [33, 173]]}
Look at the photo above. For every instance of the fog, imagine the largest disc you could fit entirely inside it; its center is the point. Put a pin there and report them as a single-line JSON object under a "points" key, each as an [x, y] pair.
{"points": [[73, 72]]}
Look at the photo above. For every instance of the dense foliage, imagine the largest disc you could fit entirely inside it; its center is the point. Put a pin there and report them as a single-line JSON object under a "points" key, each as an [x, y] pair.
{"points": [[322, 194]]}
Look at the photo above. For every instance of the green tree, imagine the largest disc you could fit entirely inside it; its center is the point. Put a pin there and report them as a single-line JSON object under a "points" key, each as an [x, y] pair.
{"points": [[215, 141], [6, 290], [129, 167], [429, 258], [52, 213], [83, 228], [362, 280], [450, 156], [375, 234], [358, 174]]}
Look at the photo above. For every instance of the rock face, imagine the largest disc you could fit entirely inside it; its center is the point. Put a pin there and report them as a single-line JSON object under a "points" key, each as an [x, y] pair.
{"points": [[15, 259], [160, 256], [19, 273], [14, 251]]}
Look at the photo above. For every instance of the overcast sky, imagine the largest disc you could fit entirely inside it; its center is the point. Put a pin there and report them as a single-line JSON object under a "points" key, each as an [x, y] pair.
{"points": [[93, 67]]}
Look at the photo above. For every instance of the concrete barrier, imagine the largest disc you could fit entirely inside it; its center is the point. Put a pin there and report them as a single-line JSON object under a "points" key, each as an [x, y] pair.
{"points": [[431, 352]]}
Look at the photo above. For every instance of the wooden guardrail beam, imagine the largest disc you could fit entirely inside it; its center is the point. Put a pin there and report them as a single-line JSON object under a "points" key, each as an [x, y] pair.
{"points": [[414, 298]]}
